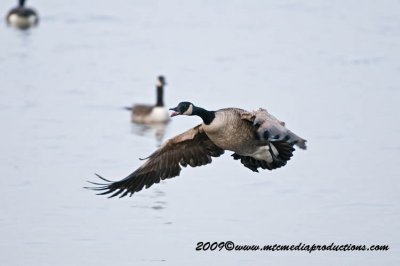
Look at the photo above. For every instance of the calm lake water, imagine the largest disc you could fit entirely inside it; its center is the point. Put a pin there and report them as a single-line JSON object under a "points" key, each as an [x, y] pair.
{"points": [[330, 70]]}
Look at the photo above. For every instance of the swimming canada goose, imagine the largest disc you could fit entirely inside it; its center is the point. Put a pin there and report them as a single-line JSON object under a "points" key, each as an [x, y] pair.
{"points": [[146, 114], [22, 17], [257, 139]]}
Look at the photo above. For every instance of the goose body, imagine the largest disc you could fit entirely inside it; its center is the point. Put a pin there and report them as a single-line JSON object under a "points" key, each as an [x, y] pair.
{"points": [[143, 114], [22, 17], [257, 139], [148, 114], [229, 132]]}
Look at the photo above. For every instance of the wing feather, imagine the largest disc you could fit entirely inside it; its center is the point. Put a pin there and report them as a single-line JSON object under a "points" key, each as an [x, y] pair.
{"points": [[272, 129], [141, 109], [192, 147]]}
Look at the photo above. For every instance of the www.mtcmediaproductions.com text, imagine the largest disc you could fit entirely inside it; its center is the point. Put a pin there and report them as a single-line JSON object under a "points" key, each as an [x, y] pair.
{"points": [[230, 246]]}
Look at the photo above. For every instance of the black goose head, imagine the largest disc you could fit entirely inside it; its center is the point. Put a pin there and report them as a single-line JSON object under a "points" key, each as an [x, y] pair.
{"points": [[21, 3], [183, 108], [161, 81]]}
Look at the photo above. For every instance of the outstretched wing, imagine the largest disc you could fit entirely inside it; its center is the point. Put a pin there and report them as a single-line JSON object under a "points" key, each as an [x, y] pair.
{"points": [[192, 147]]}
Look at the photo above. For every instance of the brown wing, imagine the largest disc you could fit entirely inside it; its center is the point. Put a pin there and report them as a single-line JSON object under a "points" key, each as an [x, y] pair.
{"points": [[192, 147], [140, 109]]}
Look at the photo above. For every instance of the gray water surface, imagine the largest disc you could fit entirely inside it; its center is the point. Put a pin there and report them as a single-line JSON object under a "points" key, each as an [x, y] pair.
{"points": [[330, 70]]}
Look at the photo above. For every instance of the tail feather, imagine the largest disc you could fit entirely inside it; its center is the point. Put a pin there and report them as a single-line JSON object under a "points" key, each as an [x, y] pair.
{"points": [[299, 142]]}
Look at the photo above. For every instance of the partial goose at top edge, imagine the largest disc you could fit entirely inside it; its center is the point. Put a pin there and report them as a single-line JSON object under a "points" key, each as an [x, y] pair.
{"points": [[22, 17], [258, 140], [148, 114]]}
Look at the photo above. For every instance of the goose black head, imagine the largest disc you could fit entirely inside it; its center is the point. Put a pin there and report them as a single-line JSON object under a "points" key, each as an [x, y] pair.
{"points": [[183, 108], [161, 81]]}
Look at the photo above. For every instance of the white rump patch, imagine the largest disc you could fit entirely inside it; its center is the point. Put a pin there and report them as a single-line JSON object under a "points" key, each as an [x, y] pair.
{"points": [[264, 153], [22, 22]]}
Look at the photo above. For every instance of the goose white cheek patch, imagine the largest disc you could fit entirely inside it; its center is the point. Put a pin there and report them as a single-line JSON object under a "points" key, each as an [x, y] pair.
{"points": [[189, 111]]}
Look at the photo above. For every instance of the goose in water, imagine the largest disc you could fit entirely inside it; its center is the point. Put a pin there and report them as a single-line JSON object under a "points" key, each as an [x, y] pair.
{"points": [[258, 140], [22, 17], [147, 114]]}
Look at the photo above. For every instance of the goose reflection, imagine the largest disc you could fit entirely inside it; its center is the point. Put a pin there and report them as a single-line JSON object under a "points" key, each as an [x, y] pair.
{"points": [[156, 130], [156, 201]]}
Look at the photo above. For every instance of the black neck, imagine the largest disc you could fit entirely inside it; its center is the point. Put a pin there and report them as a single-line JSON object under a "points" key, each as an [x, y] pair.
{"points": [[207, 116], [21, 3], [160, 93]]}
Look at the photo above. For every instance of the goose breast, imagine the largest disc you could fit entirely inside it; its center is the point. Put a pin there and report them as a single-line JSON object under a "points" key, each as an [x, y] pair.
{"points": [[229, 132]]}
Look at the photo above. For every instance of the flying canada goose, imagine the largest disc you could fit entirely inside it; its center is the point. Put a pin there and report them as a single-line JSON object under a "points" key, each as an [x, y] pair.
{"points": [[147, 114], [22, 17], [257, 139]]}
